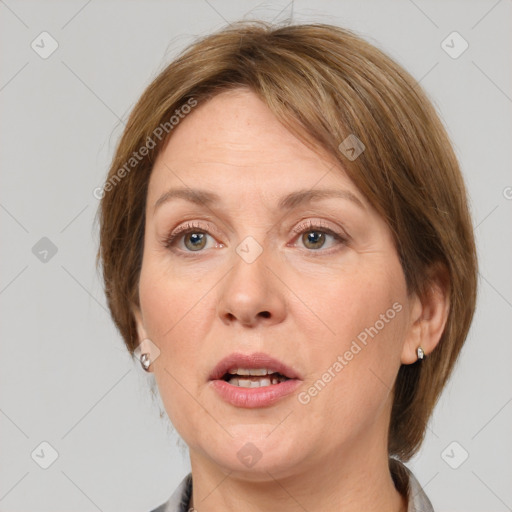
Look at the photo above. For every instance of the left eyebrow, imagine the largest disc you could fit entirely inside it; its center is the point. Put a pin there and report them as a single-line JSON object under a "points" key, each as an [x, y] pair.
{"points": [[288, 202], [301, 197]]}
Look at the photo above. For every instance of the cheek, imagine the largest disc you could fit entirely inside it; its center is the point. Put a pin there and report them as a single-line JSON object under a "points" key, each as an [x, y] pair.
{"points": [[169, 300], [364, 315], [358, 301], [175, 313]]}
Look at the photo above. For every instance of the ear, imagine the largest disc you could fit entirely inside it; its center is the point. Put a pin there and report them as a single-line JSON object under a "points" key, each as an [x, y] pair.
{"points": [[429, 312], [145, 345], [139, 322]]}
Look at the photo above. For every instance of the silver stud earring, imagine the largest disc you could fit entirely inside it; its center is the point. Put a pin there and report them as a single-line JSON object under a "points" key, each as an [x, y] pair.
{"points": [[420, 353], [145, 361]]}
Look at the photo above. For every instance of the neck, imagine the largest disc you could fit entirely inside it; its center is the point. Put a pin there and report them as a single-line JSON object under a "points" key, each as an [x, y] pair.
{"points": [[349, 482]]}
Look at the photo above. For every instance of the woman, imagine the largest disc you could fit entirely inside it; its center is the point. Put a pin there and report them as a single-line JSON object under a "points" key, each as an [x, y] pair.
{"points": [[286, 246]]}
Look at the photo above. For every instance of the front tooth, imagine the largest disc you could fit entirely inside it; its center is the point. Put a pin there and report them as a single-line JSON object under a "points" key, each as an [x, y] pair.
{"points": [[249, 383], [246, 383], [255, 383], [258, 371], [250, 371]]}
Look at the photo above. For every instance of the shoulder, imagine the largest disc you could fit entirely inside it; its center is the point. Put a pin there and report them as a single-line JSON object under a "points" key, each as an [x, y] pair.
{"points": [[180, 498], [408, 485]]}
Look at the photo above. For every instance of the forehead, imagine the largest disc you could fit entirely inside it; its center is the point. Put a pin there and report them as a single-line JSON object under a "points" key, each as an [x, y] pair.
{"points": [[233, 142]]}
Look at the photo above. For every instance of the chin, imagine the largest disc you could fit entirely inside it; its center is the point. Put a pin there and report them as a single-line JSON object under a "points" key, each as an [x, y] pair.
{"points": [[253, 453]]}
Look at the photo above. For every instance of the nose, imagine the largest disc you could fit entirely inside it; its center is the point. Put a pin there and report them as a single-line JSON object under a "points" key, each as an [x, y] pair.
{"points": [[251, 294]]}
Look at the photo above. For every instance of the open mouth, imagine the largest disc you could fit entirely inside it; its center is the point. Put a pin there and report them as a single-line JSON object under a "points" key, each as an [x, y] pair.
{"points": [[257, 378], [253, 380]]}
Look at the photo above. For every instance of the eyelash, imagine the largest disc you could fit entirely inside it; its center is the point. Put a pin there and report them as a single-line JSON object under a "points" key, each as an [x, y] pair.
{"points": [[302, 228], [184, 229], [318, 226]]}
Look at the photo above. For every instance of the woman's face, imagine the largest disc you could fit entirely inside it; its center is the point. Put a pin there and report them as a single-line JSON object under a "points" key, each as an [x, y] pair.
{"points": [[264, 266]]}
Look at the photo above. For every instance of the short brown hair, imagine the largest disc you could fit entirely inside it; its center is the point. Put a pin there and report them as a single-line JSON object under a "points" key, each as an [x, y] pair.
{"points": [[324, 83]]}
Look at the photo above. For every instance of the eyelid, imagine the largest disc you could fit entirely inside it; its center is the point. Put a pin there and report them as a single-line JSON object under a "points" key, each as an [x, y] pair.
{"points": [[308, 224], [189, 226], [304, 226], [320, 225]]}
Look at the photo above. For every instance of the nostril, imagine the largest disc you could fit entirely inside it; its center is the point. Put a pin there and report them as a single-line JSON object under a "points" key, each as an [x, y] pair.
{"points": [[265, 314]]}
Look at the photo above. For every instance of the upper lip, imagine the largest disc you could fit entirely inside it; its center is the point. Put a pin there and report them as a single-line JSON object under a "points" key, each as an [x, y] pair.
{"points": [[252, 361]]}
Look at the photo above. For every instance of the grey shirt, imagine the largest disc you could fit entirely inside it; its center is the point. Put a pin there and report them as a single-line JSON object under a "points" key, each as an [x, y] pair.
{"points": [[405, 482]]}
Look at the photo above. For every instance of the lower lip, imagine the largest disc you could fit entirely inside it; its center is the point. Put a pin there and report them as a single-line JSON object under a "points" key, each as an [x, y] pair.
{"points": [[251, 398]]}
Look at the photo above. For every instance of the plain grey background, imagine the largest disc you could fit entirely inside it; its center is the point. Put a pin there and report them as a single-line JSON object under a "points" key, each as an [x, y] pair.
{"points": [[65, 376]]}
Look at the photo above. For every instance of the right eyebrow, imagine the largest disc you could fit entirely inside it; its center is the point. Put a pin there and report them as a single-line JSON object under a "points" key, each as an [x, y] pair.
{"points": [[200, 197]]}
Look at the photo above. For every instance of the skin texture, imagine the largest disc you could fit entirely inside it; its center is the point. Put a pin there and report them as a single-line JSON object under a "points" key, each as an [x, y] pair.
{"points": [[301, 302]]}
